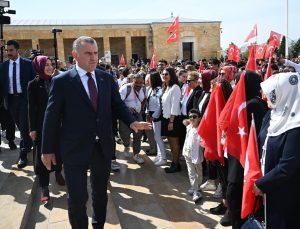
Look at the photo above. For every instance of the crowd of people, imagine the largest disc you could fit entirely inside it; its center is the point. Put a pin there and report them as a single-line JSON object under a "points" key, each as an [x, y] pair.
{"points": [[74, 119]]}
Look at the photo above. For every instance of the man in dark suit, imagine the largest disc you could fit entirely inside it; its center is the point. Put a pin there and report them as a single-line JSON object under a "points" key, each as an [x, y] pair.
{"points": [[16, 73], [78, 124]]}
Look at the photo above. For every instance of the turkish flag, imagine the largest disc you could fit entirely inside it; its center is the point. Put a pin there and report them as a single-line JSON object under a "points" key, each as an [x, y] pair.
{"points": [[208, 128], [269, 69], [252, 172], [276, 37], [233, 122], [260, 51], [253, 33], [174, 37], [153, 60], [122, 62], [270, 49], [237, 54], [251, 64], [231, 51], [174, 26]]}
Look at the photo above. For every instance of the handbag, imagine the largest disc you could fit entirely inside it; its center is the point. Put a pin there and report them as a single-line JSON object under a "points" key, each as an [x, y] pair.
{"points": [[252, 222]]}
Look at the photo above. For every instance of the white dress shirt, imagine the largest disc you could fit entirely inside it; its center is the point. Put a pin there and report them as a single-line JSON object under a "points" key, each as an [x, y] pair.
{"points": [[84, 78], [184, 101], [10, 74], [171, 101], [153, 96]]}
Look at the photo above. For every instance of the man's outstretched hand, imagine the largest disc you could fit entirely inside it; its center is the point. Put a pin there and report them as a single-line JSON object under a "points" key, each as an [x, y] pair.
{"points": [[136, 126]]}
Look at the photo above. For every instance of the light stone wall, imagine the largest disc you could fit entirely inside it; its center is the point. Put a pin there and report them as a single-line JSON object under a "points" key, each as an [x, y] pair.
{"points": [[122, 39]]}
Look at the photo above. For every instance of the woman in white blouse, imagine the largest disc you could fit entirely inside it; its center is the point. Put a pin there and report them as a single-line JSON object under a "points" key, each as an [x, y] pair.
{"points": [[170, 125]]}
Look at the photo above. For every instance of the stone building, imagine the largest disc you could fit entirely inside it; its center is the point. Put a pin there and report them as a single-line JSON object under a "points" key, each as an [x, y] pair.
{"points": [[132, 38]]}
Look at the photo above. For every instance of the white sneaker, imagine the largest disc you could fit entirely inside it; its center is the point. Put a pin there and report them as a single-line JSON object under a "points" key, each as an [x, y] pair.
{"points": [[191, 191], [126, 151], [156, 159], [218, 193], [161, 162], [196, 196], [138, 159], [209, 185]]}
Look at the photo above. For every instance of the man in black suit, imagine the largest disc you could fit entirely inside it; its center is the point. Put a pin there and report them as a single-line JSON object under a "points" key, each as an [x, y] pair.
{"points": [[16, 73], [78, 124]]}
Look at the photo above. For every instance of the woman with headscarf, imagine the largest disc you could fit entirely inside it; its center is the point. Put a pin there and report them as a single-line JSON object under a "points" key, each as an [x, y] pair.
{"points": [[281, 157], [258, 107], [37, 102]]}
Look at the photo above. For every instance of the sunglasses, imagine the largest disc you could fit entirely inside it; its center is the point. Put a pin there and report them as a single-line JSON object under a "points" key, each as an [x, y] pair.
{"points": [[193, 116], [188, 81]]}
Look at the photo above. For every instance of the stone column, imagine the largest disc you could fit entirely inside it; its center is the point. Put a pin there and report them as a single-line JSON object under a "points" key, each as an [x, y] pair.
{"points": [[106, 43], [60, 47], [128, 49], [35, 43]]}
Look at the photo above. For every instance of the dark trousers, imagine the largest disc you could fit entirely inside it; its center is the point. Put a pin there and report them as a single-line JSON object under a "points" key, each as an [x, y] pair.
{"points": [[234, 200], [18, 107], [39, 167], [222, 172], [7, 123], [76, 179]]}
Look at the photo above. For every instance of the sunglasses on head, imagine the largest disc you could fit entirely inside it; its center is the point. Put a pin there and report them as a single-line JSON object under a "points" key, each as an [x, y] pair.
{"points": [[193, 116]]}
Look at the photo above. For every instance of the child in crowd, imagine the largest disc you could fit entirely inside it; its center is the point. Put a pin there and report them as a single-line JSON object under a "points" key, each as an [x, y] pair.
{"points": [[192, 151]]}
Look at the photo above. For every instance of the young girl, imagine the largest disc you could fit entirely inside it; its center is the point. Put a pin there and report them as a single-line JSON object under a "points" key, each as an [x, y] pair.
{"points": [[193, 153]]}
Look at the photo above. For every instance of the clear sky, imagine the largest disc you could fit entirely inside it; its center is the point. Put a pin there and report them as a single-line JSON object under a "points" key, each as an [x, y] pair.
{"points": [[237, 16]]}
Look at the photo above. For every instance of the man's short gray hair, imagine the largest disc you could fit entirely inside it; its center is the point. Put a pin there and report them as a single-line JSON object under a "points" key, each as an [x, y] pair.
{"points": [[83, 39]]}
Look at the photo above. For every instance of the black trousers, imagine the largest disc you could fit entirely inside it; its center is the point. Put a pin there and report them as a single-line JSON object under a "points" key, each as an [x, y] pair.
{"points": [[39, 167], [234, 199], [8, 124], [76, 180], [18, 107]]}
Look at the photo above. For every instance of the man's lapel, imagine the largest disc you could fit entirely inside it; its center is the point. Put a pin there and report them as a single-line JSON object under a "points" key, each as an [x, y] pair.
{"points": [[101, 88]]}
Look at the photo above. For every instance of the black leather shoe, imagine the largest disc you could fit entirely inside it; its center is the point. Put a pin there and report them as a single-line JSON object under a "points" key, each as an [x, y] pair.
{"points": [[173, 168], [219, 210], [22, 163], [12, 145], [226, 219]]}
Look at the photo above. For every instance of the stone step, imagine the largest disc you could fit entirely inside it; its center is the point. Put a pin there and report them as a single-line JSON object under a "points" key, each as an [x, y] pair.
{"points": [[16, 189]]}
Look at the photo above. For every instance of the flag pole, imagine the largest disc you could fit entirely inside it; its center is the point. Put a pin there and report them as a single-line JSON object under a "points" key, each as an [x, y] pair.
{"points": [[287, 30]]}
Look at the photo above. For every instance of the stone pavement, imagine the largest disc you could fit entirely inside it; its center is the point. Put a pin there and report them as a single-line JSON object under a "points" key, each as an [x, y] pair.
{"points": [[140, 197]]}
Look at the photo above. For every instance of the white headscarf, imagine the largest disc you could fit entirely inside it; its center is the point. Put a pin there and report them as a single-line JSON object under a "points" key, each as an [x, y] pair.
{"points": [[283, 92]]}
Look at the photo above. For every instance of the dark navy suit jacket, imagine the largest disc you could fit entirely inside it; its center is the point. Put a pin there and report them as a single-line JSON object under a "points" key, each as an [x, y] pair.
{"points": [[26, 75], [71, 124]]}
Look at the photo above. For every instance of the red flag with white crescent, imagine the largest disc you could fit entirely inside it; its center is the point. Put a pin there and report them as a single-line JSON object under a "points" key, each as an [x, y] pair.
{"points": [[153, 60], [174, 25], [251, 64], [269, 69], [233, 122], [270, 49], [122, 62], [260, 51], [276, 37], [237, 54], [231, 52], [174, 37], [252, 34], [208, 128], [252, 172]]}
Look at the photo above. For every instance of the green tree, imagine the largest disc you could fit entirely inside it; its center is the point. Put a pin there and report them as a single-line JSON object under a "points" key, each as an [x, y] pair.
{"points": [[281, 50], [296, 49]]}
